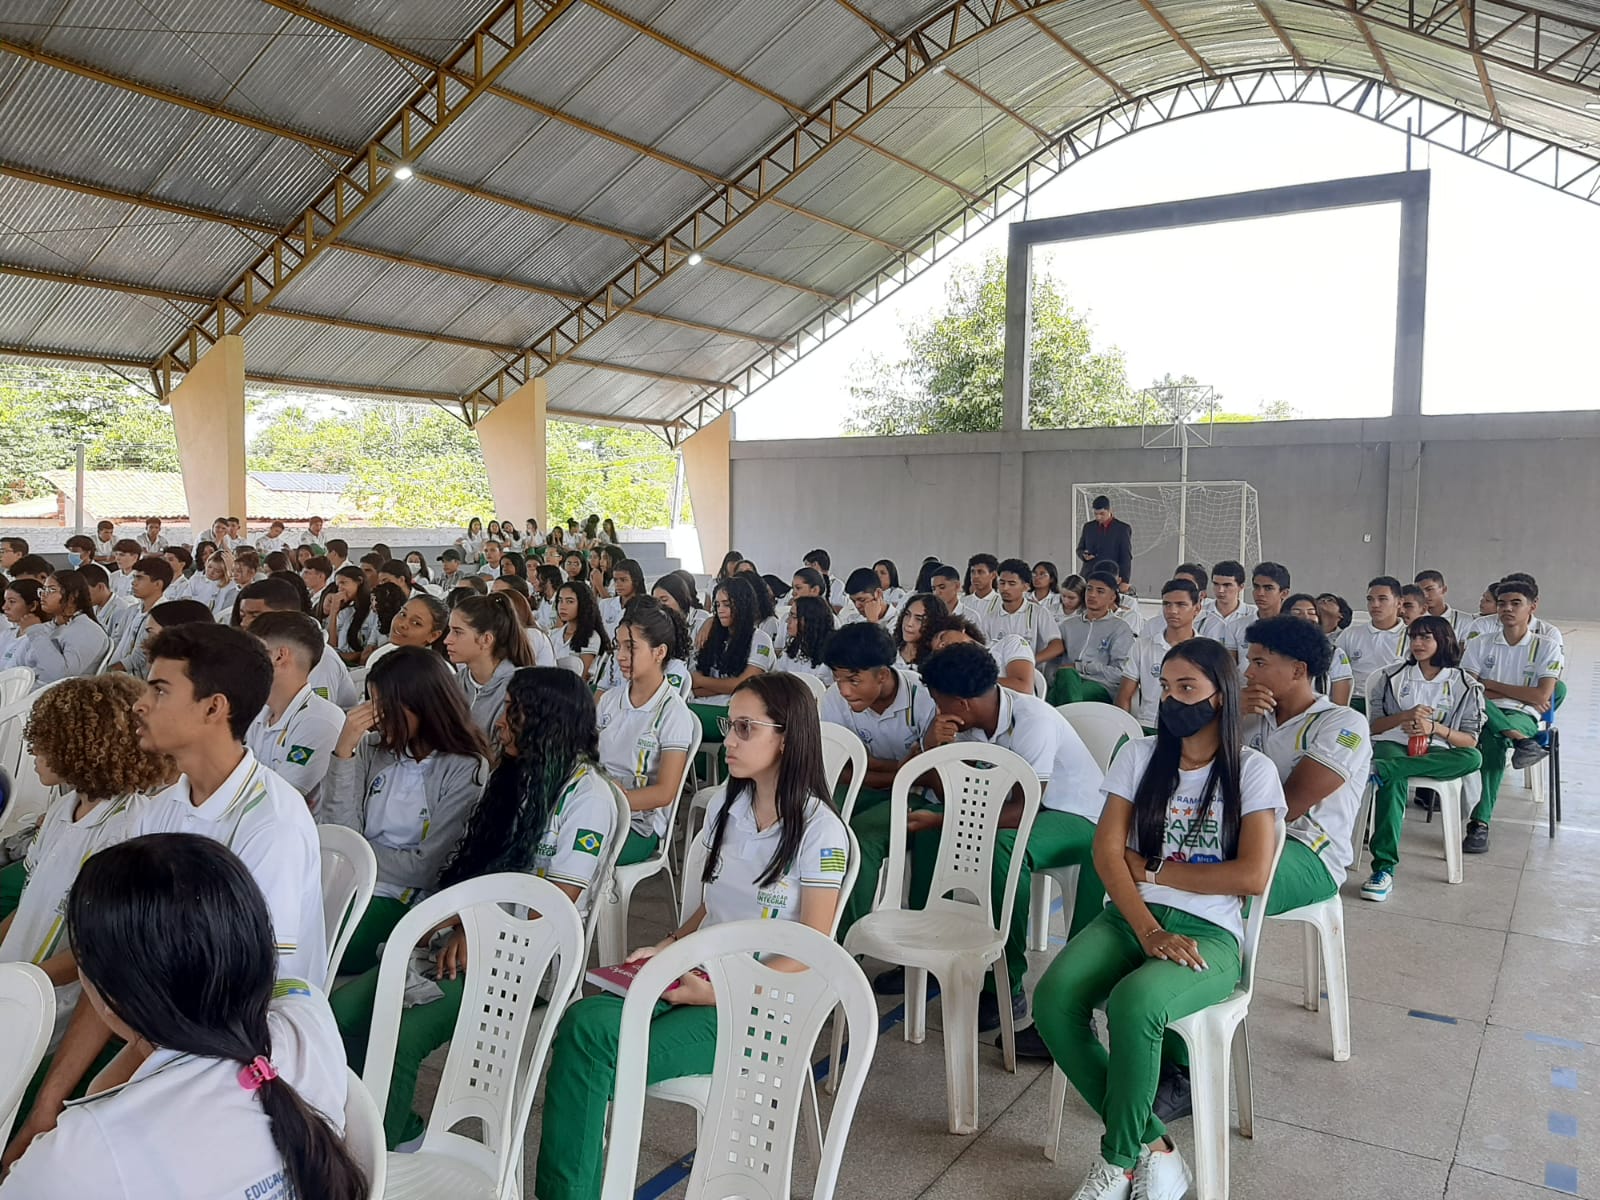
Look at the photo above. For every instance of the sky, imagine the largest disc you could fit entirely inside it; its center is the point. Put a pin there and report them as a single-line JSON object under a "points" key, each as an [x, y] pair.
{"points": [[1296, 309]]}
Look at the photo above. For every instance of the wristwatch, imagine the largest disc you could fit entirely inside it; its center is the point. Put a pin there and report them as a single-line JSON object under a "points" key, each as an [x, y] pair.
{"points": [[1152, 867]]}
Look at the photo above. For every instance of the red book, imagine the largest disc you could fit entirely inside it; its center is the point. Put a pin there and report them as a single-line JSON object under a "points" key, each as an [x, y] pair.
{"points": [[615, 979]]}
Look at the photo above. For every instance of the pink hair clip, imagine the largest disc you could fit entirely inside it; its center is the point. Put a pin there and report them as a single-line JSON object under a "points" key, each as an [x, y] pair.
{"points": [[253, 1074]]}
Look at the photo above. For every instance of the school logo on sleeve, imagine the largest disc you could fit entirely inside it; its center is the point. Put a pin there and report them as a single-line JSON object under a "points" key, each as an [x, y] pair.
{"points": [[300, 755], [834, 860], [321, 691], [589, 841], [1349, 739]]}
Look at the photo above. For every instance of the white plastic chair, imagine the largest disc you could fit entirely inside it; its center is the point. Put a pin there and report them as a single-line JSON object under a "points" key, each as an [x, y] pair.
{"points": [[841, 748], [363, 1134], [695, 1090], [813, 684], [1325, 961], [1101, 728], [15, 684], [613, 916], [956, 939], [1218, 1041], [490, 1075], [27, 1014], [571, 662], [1454, 795], [767, 1026], [349, 874], [1041, 685]]}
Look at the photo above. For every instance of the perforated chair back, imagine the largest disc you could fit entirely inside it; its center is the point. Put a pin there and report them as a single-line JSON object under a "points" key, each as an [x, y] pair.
{"points": [[27, 1014], [841, 748], [15, 684], [491, 1073], [1101, 728], [767, 1026], [349, 875]]}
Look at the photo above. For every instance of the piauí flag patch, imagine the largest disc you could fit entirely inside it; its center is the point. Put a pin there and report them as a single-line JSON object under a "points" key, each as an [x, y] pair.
{"points": [[834, 860], [1349, 739], [321, 691], [589, 841], [301, 755]]}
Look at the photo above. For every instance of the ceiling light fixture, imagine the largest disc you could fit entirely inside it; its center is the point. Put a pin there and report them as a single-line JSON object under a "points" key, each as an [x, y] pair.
{"points": [[1593, 106], [403, 171], [694, 259]]}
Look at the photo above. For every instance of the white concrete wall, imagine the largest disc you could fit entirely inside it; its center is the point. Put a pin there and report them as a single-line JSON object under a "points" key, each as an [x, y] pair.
{"points": [[1487, 495]]}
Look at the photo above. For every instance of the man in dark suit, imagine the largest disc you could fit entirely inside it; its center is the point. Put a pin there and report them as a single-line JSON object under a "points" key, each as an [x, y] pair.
{"points": [[1107, 537]]}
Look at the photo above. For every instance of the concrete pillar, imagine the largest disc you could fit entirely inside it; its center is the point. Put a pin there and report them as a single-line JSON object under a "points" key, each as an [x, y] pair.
{"points": [[1404, 494], [706, 468], [208, 419], [513, 441]]}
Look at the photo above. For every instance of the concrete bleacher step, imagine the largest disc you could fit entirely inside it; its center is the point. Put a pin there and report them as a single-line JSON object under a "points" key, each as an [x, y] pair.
{"points": [[652, 558]]}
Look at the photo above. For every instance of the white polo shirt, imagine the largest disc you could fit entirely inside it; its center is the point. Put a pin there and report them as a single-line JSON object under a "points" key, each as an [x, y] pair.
{"points": [[1535, 657], [583, 822], [799, 666], [1144, 666], [1338, 738], [979, 609], [1229, 630], [733, 894], [633, 739], [1041, 735], [263, 820], [1339, 670], [761, 656], [299, 745], [182, 1128], [896, 733], [1373, 649], [330, 679], [1007, 648], [1031, 622]]}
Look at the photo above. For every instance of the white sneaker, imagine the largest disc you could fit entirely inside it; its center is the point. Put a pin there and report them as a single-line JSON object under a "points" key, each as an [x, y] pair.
{"points": [[1161, 1175], [1105, 1181]]}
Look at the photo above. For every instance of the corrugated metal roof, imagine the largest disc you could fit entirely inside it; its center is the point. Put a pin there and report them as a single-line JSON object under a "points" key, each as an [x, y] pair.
{"points": [[292, 72]]}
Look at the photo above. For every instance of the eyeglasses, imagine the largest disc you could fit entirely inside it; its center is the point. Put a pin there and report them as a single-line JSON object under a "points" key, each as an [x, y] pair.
{"points": [[49, 590], [743, 728]]}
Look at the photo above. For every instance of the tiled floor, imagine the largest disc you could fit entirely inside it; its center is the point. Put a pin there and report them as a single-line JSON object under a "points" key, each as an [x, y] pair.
{"points": [[1475, 1014]]}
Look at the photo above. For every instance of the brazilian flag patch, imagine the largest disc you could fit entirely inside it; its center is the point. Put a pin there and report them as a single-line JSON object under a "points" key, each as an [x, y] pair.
{"points": [[589, 841], [301, 755]]}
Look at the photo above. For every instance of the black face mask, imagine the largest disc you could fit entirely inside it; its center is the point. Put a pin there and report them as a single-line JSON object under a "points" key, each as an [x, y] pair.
{"points": [[1184, 720]]}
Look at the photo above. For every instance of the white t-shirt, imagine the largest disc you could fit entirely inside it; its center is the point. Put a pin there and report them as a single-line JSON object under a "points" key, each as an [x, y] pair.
{"points": [[1372, 649], [182, 1128], [1031, 622], [1259, 791], [299, 745], [1042, 736], [584, 820], [1339, 739], [1537, 656], [633, 739], [896, 733], [732, 894], [761, 656], [263, 820]]}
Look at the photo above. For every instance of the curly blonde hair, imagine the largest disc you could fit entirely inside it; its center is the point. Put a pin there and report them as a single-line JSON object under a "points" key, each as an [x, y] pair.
{"points": [[86, 730]]}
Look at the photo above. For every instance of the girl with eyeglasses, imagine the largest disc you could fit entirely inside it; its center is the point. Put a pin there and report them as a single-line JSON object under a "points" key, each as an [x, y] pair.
{"points": [[70, 642], [775, 850]]}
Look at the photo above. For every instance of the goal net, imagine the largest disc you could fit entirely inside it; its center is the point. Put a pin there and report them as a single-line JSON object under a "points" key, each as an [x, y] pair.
{"points": [[1201, 521]]}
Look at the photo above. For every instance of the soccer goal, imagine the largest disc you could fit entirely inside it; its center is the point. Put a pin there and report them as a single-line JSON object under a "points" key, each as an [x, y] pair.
{"points": [[1201, 521]]}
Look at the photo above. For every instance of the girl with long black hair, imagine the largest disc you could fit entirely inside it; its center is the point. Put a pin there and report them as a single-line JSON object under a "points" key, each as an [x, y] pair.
{"points": [[70, 641], [775, 850], [810, 627], [678, 594], [1186, 832], [548, 810], [729, 650], [627, 585], [352, 625], [406, 771], [581, 632], [920, 619], [175, 949]]}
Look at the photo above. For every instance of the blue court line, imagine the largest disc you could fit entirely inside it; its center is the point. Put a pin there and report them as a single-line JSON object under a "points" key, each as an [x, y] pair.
{"points": [[669, 1177], [1565, 1078], [1430, 1016], [1561, 1177], [1545, 1039], [1563, 1125]]}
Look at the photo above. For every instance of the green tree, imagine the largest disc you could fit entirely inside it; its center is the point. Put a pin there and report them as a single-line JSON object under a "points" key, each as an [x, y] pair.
{"points": [[45, 412], [950, 380]]}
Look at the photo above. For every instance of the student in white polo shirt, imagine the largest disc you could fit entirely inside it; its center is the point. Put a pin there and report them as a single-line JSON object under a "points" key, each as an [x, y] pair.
{"points": [[1323, 752], [1013, 657], [1338, 680], [728, 650], [889, 580], [866, 600], [151, 575], [945, 582], [1097, 642], [1520, 671], [776, 851], [1228, 606], [84, 740], [972, 707], [1436, 594], [1378, 644], [111, 610], [296, 730], [833, 591], [978, 605], [206, 684], [329, 677], [1140, 692], [151, 541], [1017, 613], [1046, 589], [645, 727], [234, 1089], [810, 625]]}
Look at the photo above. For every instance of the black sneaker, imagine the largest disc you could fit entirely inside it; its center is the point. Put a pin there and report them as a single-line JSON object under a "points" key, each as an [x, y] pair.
{"points": [[1477, 839], [1029, 1044], [989, 1011], [893, 983], [1172, 1101], [1528, 751]]}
